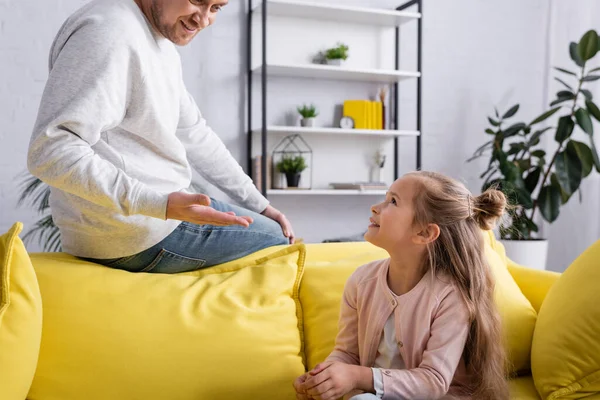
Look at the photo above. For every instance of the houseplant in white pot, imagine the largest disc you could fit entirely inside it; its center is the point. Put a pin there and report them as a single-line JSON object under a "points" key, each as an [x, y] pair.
{"points": [[336, 55], [292, 167], [308, 114], [539, 183]]}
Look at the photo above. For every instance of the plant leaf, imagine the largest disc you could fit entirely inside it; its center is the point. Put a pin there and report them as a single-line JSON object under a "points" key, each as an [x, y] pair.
{"points": [[535, 137], [565, 71], [493, 122], [532, 179], [513, 130], [490, 132], [558, 101], [564, 196], [538, 153], [594, 154], [593, 109], [544, 116], [549, 202], [566, 84], [564, 129], [575, 54], [582, 152], [588, 45], [512, 111], [565, 94], [568, 171], [594, 70], [588, 95], [591, 78], [584, 121]]}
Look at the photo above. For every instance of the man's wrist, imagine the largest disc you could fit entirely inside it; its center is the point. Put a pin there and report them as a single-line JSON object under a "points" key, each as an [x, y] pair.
{"points": [[363, 378]]}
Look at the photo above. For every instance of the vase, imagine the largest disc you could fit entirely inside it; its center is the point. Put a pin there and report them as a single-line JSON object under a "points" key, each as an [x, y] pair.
{"points": [[528, 253], [337, 62], [307, 122], [293, 179]]}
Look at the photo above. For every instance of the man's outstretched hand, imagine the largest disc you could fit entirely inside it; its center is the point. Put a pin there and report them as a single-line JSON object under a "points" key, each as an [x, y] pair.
{"points": [[195, 208]]}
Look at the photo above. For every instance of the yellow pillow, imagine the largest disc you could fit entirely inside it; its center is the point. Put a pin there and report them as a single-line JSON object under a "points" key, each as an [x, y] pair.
{"points": [[323, 285], [230, 331], [565, 358], [20, 317]]}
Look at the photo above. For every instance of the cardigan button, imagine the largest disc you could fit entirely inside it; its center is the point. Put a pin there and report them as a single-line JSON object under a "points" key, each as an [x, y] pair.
{"points": [[400, 344], [388, 373], [394, 303]]}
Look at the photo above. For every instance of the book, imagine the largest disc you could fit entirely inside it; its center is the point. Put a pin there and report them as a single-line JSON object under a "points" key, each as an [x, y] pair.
{"points": [[358, 110], [256, 173]]}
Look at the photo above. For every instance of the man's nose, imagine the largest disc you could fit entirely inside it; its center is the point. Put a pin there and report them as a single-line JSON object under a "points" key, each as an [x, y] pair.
{"points": [[202, 19]]}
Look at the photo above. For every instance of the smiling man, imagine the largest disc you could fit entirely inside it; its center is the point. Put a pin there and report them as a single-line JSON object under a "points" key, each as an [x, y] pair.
{"points": [[117, 136]]}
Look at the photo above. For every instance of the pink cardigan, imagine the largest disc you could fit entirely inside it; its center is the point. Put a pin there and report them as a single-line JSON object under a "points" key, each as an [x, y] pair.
{"points": [[432, 325]]}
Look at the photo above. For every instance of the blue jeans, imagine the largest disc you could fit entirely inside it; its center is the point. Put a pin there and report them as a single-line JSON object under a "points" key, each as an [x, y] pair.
{"points": [[190, 247]]}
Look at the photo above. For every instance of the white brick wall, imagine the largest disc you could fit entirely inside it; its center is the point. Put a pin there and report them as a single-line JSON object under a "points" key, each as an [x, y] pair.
{"points": [[477, 54]]}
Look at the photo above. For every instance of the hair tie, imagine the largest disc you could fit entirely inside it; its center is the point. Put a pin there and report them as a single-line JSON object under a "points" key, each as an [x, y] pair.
{"points": [[469, 200]]}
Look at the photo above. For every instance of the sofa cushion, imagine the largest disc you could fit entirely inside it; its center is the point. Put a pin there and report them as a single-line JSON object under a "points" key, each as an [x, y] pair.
{"points": [[20, 317], [230, 331], [565, 358], [329, 266]]}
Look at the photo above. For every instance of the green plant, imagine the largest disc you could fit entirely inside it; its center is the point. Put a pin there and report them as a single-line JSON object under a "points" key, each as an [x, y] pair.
{"points": [[519, 165], [291, 165], [337, 53], [37, 194], [308, 111]]}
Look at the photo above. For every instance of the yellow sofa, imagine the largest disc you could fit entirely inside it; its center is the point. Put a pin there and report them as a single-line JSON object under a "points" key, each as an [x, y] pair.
{"points": [[242, 330]]}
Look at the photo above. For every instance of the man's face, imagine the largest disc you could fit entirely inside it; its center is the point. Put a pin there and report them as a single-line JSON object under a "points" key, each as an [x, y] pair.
{"points": [[180, 20]]}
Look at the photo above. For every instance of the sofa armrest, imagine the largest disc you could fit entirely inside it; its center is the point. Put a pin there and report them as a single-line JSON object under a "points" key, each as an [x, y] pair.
{"points": [[534, 283]]}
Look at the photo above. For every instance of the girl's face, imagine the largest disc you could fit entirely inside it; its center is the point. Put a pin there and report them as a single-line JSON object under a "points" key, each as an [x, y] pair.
{"points": [[392, 226]]}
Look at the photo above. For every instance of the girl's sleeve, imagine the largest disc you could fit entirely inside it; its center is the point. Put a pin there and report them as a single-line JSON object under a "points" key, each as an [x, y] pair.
{"points": [[346, 342], [431, 380]]}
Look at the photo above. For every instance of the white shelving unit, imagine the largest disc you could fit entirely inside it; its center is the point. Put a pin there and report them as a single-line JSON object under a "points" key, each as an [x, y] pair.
{"points": [[317, 71], [338, 131], [262, 9], [324, 192], [359, 15]]}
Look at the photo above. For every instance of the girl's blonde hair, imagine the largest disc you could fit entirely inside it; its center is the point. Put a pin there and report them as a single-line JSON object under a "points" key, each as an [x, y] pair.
{"points": [[459, 253]]}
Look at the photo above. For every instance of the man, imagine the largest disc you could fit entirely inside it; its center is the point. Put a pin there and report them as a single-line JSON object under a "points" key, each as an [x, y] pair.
{"points": [[117, 134]]}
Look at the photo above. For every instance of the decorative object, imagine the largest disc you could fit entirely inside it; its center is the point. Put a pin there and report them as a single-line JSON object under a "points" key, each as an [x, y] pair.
{"points": [[519, 165], [382, 97], [36, 194], [290, 160], [308, 113], [346, 123], [336, 55], [377, 166]]}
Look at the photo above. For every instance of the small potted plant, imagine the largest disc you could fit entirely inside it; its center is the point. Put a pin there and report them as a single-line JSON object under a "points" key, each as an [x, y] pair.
{"points": [[336, 55], [292, 167], [308, 113]]}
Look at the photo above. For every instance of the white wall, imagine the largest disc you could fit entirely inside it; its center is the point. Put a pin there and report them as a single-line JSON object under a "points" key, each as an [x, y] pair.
{"points": [[476, 55]]}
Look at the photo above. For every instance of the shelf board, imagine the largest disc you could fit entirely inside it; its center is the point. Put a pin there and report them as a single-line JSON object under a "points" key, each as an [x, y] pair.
{"points": [[338, 131], [324, 192], [337, 73], [338, 13]]}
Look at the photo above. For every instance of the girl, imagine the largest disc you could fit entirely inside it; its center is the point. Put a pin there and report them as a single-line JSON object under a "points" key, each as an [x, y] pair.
{"points": [[421, 324]]}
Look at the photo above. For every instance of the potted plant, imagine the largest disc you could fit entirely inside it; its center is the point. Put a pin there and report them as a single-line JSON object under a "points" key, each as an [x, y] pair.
{"points": [[292, 167], [539, 183], [308, 113], [336, 55]]}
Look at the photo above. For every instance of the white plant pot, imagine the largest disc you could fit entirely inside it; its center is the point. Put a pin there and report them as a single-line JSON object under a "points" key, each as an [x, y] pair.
{"points": [[307, 122], [338, 62], [528, 253]]}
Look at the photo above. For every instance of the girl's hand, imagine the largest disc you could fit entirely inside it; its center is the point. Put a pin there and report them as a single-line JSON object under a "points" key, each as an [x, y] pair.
{"points": [[330, 381], [298, 386]]}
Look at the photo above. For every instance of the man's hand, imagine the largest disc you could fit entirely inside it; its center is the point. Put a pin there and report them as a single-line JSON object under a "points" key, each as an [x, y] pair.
{"points": [[330, 380], [196, 208], [298, 386], [278, 216]]}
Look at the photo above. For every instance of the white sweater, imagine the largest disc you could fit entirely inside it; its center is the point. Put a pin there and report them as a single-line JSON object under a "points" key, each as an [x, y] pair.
{"points": [[117, 132]]}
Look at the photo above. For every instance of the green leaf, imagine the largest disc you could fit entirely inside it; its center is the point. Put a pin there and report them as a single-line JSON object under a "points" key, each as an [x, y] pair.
{"points": [[493, 122], [588, 45], [532, 179], [594, 70], [512, 111], [588, 95], [564, 196], [549, 202], [565, 94], [565, 71], [566, 84], [568, 171], [564, 129], [591, 78], [538, 153], [582, 152], [489, 131], [544, 116], [535, 137], [595, 154], [575, 54], [558, 101], [524, 198], [584, 121], [512, 130], [593, 109]]}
